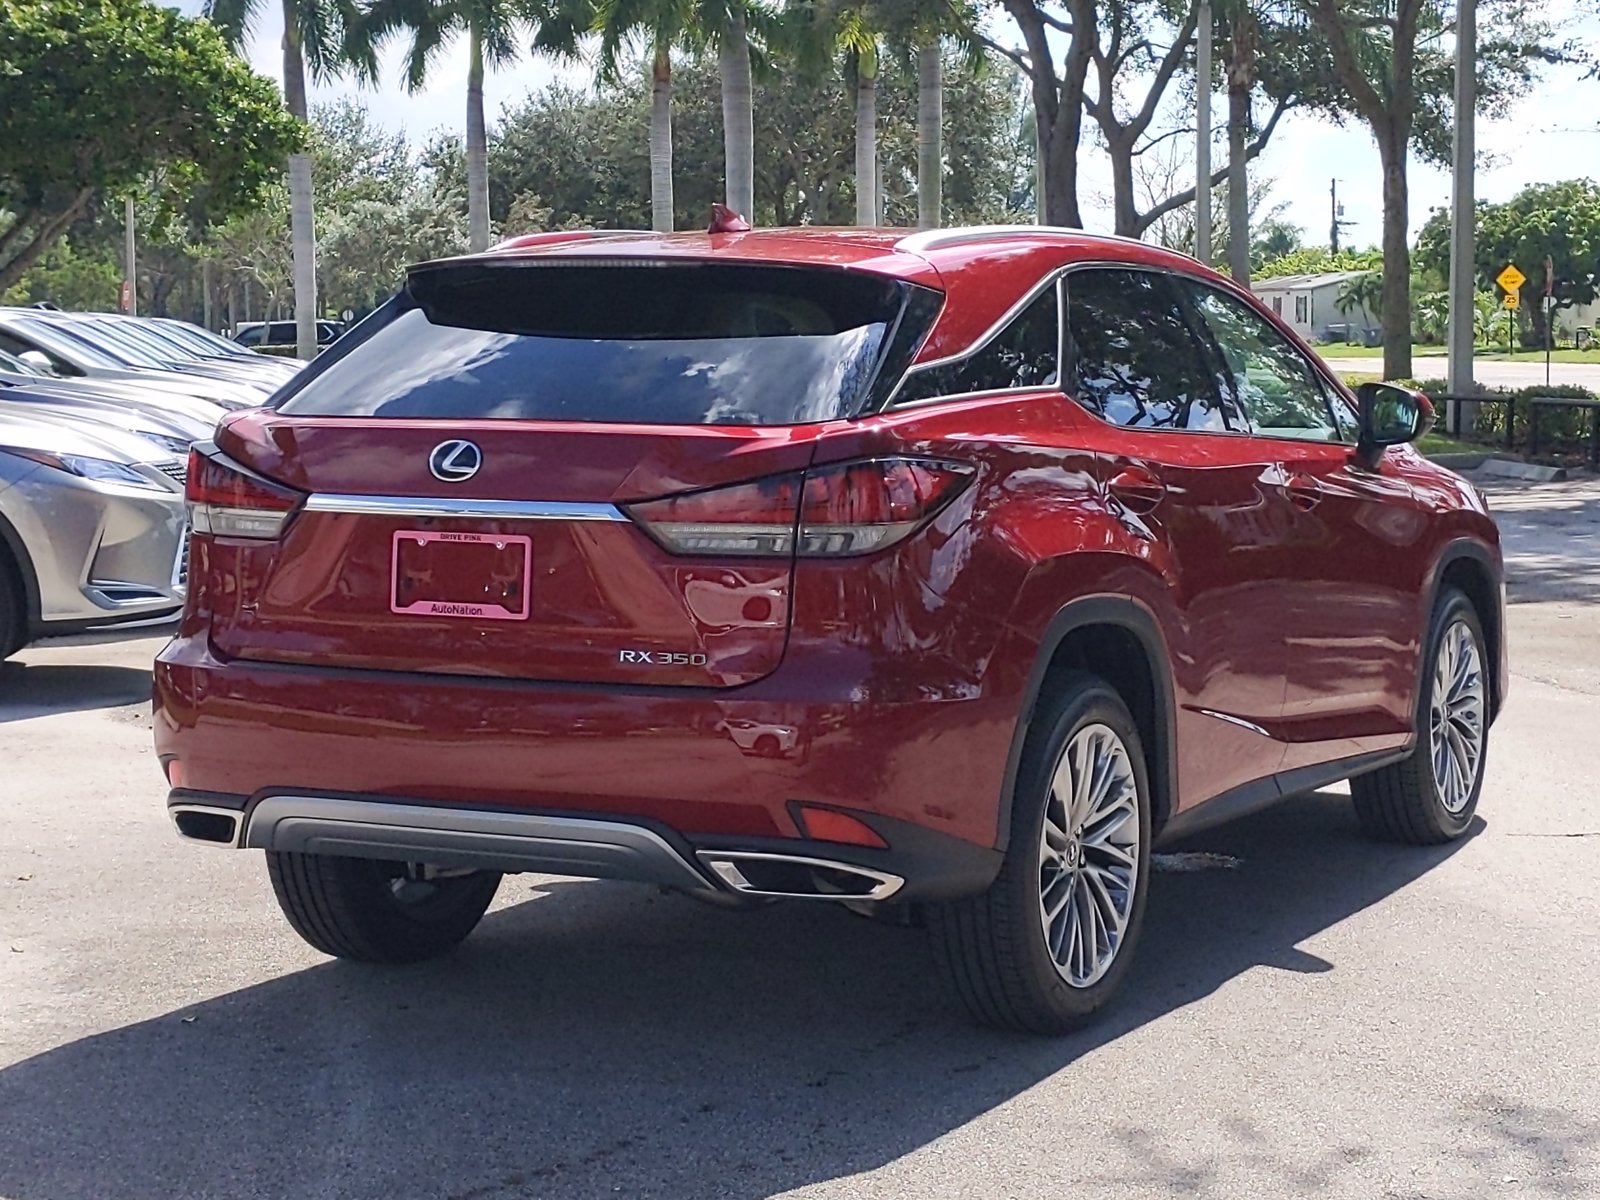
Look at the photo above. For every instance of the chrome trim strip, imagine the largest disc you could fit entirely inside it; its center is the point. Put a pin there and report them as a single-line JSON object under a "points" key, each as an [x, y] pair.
{"points": [[725, 864], [1232, 720], [232, 814], [427, 506], [476, 838]]}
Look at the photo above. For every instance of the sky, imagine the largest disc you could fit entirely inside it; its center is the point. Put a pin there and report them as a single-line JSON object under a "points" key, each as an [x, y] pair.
{"points": [[1553, 133]]}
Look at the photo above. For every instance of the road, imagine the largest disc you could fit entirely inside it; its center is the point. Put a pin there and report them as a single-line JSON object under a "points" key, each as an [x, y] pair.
{"points": [[1520, 372], [1332, 1018]]}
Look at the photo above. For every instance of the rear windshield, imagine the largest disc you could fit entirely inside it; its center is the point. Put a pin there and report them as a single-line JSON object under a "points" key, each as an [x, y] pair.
{"points": [[695, 344]]}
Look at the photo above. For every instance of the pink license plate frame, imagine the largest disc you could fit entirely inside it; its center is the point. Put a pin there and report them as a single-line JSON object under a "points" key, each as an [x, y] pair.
{"points": [[469, 609]]}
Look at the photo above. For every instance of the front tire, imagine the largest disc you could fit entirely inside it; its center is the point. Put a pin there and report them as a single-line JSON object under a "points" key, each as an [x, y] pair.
{"points": [[1047, 946], [382, 912], [1430, 797], [13, 608]]}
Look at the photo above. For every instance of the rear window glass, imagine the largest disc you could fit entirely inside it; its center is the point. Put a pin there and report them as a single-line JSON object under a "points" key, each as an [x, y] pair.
{"points": [[676, 344]]}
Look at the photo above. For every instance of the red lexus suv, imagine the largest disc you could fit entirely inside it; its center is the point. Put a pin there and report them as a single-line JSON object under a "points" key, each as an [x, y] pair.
{"points": [[936, 574]]}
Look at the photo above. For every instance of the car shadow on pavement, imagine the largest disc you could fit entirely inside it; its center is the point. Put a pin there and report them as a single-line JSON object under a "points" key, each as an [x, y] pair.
{"points": [[593, 1040], [39, 689]]}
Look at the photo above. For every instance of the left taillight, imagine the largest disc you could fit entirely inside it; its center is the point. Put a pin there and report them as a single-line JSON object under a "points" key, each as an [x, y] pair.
{"points": [[831, 511], [225, 500]]}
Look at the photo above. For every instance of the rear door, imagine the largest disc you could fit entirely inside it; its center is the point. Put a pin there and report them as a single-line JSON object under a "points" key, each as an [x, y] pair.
{"points": [[1201, 492], [494, 478], [1356, 554]]}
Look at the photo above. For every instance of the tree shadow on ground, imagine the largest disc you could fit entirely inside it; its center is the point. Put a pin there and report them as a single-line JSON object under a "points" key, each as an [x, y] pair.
{"points": [[597, 1039]]}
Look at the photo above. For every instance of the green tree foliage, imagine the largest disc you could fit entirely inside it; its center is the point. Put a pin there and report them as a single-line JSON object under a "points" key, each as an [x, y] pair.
{"points": [[1560, 221], [1389, 65], [158, 90], [71, 277], [1318, 260]]}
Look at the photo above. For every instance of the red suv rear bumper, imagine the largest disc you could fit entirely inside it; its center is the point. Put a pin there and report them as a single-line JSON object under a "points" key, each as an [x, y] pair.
{"points": [[702, 768]]}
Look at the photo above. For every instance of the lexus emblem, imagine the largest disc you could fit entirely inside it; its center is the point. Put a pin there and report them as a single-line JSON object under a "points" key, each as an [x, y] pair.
{"points": [[455, 462]]}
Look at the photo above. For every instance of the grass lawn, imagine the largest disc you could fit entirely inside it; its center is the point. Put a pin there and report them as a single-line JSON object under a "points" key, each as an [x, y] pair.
{"points": [[1438, 443], [1482, 354], [1347, 350], [1591, 356]]}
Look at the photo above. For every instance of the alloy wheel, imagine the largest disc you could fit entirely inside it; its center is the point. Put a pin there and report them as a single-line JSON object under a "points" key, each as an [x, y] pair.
{"points": [[1089, 855], [1456, 718]]}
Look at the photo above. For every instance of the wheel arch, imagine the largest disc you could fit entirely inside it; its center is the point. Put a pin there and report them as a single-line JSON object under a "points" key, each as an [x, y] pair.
{"points": [[1118, 639], [1471, 566], [15, 554]]}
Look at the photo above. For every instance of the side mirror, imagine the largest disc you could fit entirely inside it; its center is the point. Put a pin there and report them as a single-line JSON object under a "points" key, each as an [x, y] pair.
{"points": [[38, 361], [1391, 415]]}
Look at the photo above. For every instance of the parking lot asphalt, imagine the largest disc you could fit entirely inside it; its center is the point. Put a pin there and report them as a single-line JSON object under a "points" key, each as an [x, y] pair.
{"points": [[1331, 1017]]}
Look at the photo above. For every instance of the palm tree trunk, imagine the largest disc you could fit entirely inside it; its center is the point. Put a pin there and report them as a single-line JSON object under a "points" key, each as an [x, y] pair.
{"points": [[1241, 79], [302, 222], [930, 135], [738, 117], [1238, 183], [1393, 146], [661, 211], [866, 146], [477, 149]]}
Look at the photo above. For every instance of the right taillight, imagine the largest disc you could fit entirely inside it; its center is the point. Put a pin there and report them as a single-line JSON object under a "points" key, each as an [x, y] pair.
{"points": [[227, 501], [827, 512]]}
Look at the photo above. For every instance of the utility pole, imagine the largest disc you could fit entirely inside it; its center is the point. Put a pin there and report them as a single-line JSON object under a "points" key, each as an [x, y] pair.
{"points": [[1462, 240], [1333, 205], [1202, 136], [130, 284]]}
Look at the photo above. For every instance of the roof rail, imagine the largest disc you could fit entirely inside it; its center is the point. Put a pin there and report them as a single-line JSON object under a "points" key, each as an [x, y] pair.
{"points": [[938, 239], [557, 236]]}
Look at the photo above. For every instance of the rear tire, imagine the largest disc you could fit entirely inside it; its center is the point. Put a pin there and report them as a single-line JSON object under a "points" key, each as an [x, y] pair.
{"points": [[1015, 965], [1430, 797], [371, 911]]}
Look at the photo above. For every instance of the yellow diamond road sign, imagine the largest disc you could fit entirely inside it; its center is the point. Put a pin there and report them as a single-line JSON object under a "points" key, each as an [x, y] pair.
{"points": [[1511, 279], [1513, 300]]}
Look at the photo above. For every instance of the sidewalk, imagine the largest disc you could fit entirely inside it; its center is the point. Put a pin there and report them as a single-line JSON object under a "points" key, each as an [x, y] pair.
{"points": [[1520, 373]]}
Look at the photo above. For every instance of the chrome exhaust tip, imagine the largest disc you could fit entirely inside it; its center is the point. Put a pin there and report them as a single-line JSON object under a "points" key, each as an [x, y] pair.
{"points": [[210, 826], [789, 876]]}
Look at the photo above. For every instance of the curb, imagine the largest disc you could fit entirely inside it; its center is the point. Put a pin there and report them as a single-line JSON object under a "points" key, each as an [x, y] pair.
{"points": [[1507, 468], [1467, 461]]}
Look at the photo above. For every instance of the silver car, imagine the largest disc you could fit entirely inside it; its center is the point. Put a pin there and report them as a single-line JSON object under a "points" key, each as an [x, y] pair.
{"points": [[92, 527], [135, 339], [50, 345], [190, 411]]}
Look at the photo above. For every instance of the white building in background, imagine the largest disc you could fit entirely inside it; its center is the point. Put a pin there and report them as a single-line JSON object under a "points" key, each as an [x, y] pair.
{"points": [[1310, 304]]}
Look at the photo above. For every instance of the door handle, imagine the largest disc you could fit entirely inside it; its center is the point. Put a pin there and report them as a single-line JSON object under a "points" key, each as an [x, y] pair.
{"points": [[1137, 489], [1305, 493]]}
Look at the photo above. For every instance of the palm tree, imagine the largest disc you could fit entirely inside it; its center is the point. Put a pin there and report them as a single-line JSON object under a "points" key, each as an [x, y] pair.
{"points": [[1241, 72], [737, 30], [930, 133], [919, 28], [859, 41], [314, 36], [664, 24], [492, 28]]}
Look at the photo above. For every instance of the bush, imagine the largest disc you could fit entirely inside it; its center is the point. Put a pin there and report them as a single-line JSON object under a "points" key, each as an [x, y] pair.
{"points": [[1558, 427]]}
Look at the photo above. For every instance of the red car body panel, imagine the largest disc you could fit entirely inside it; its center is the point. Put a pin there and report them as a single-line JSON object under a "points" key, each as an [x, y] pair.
{"points": [[1288, 589]]}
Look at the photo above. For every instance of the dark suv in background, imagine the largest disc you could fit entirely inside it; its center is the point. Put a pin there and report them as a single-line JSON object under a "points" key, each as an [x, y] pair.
{"points": [[940, 574], [282, 333]]}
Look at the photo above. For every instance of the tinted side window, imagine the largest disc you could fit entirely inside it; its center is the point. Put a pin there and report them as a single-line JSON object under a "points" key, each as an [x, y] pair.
{"points": [[1277, 388], [1024, 354], [1136, 360]]}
